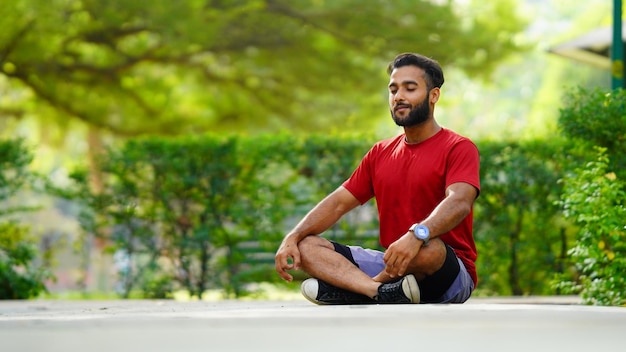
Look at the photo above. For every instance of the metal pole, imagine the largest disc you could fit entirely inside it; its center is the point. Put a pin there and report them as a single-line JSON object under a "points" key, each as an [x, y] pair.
{"points": [[617, 48]]}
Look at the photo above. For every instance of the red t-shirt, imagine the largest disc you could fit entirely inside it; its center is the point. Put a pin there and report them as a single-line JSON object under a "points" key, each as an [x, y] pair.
{"points": [[410, 180]]}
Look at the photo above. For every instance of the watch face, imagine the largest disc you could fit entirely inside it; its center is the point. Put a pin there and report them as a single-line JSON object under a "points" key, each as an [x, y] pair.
{"points": [[422, 232]]}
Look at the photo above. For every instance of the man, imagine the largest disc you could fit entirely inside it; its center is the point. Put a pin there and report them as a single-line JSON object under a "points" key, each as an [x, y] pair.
{"points": [[425, 182]]}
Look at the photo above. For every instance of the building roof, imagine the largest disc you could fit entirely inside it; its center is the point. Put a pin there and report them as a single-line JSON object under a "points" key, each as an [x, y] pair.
{"points": [[592, 48]]}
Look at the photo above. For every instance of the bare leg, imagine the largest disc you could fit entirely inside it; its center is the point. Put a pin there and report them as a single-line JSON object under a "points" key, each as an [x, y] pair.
{"points": [[320, 260]]}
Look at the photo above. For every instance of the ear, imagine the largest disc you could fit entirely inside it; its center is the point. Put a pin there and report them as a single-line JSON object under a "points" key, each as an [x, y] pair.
{"points": [[434, 95]]}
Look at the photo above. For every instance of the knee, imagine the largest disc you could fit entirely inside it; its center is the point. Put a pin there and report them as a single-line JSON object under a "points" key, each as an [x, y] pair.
{"points": [[431, 258], [312, 244], [312, 250]]}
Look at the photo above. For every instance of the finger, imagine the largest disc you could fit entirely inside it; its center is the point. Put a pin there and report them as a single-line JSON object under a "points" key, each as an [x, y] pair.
{"points": [[391, 259], [391, 270], [402, 268], [296, 261], [282, 265], [388, 257], [285, 276], [282, 272]]}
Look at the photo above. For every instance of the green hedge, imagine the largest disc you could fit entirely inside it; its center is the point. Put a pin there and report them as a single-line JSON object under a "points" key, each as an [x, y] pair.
{"points": [[208, 212], [520, 232]]}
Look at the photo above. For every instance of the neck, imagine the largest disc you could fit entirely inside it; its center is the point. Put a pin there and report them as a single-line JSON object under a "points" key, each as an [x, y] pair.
{"points": [[420, 133]]}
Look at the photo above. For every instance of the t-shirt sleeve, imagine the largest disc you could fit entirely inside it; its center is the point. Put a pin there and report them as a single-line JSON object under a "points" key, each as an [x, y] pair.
{"points": [[464, 165], [360, 182]]}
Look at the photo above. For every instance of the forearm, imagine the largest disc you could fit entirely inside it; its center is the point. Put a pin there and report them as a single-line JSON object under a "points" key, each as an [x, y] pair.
{"points": [[325, 214], [446, 216], [451, 211]]}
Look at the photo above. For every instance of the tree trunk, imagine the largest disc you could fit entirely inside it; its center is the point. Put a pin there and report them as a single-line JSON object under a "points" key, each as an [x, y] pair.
{"points": [[513, 268]]}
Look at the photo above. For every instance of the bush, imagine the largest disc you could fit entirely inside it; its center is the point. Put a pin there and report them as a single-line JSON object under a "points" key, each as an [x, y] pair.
{"points": [[595, 123], [597, 118], [594, 198], [20, 278]]}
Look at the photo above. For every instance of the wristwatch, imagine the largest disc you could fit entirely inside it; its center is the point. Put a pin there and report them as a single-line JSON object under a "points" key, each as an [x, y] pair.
{"points": [[421, 232]]}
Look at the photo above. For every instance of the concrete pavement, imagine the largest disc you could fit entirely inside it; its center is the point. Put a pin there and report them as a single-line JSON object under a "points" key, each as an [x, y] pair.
{"points": [[494, 324]]}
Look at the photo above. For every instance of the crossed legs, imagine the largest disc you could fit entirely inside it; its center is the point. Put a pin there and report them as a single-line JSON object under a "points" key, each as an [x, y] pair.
{"points": [[320, 260]]}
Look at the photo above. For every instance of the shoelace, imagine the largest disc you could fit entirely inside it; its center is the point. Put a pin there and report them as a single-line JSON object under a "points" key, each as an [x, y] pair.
{"points": [[392, 293]]}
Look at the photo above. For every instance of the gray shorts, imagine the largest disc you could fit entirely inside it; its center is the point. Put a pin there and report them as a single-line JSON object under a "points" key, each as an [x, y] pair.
{"points": [[371, 262]]}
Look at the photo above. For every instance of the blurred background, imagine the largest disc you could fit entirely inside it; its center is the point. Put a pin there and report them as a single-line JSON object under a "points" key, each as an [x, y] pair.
{"points": [[83, 78]]}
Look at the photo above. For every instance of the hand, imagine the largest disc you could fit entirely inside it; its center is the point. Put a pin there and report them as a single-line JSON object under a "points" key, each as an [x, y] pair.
{"points": [[287, 258], [400, 254]]}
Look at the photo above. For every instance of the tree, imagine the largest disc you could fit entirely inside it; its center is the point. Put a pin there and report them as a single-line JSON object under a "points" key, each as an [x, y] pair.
{"points": [[522, 97], [193, 65]]}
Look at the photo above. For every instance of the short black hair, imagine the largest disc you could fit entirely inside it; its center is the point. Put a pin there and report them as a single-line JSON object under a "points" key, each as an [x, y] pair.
{"points": [[433, 74]]}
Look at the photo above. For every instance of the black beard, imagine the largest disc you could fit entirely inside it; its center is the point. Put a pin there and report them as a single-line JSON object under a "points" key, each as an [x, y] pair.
{"points": [[418, 115]]}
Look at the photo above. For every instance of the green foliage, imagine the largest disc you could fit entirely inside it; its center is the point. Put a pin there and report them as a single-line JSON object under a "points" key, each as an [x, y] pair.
{"points": [[327, 162], [597, 117], [14, 173], [20, 277], [594, 198], [163, 200], [595, 122], [518, 229], [166, 67], [208, 212]]}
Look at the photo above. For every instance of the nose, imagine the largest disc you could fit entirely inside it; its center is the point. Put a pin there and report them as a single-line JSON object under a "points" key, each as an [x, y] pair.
{"points": [[398, 96]]}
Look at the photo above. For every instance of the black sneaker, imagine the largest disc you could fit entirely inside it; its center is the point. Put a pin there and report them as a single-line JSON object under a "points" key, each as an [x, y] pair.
{"points": [[402, 291], [320, 292]]}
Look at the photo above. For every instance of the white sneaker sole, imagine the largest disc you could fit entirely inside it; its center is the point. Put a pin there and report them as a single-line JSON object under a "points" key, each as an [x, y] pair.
{"points": [[310, 289], [411, 289]]}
